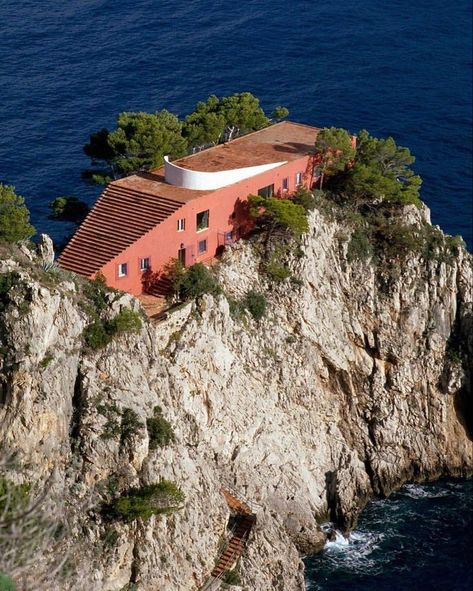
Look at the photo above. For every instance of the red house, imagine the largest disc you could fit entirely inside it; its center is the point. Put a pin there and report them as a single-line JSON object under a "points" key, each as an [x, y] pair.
{"points": [[187, 209]]}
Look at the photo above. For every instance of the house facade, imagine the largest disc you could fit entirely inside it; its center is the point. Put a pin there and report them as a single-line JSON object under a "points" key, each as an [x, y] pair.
{"points": [[188, 209]]}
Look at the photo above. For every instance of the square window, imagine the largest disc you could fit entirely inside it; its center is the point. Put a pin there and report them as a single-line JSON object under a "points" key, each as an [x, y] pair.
{"points": [[122, 269], [298, 178], [181, 225], [202, 246], [202, 220], [266, 191], [285, 184], [145, 264]]}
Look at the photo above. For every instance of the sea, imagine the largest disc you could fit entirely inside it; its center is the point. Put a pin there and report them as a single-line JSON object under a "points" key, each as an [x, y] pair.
{"points": [[419, 539], [401, 68]]}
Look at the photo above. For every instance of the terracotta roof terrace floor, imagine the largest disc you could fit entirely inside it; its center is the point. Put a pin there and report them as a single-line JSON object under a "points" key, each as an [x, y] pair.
{"points": [[284, 141]]}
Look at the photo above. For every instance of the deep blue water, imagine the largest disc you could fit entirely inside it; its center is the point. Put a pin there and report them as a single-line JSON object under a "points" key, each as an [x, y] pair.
{"points": [[420, 539], [401, 68]]}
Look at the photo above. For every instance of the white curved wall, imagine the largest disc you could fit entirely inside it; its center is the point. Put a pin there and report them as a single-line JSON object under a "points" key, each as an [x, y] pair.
{"points": [[201, 181]]}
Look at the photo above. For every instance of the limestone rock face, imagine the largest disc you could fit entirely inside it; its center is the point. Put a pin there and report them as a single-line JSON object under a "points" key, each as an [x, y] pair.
{"points": [[344, 390], [46, 249]]}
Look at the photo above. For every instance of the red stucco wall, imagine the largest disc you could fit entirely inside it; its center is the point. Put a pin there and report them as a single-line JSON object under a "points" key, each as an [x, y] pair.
{"points": [[163, 242]]}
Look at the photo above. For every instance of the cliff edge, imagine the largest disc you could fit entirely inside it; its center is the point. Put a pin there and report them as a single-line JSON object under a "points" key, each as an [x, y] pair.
{"points": [[356, 380]]}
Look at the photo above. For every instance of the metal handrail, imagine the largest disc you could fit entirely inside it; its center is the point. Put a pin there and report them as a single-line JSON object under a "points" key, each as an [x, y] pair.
{"points": [[213, 579], [251, 505], [240, 497]]}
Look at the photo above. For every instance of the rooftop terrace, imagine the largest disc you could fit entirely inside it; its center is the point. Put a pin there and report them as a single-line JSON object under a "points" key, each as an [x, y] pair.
{"points": [[284, 141]]}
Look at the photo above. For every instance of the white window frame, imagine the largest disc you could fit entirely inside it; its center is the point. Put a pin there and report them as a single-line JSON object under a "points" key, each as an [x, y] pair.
{"points": [[298, 178], [142, 260], [122, 269], [181, 224], [285, 181]]}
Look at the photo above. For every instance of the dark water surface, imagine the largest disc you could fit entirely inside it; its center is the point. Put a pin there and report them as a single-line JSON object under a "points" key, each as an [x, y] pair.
{"points": [[420, 539], [401, 68]]}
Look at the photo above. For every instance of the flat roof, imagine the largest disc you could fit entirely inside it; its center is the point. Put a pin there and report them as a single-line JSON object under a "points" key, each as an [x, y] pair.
{"points": [[284, 141]]}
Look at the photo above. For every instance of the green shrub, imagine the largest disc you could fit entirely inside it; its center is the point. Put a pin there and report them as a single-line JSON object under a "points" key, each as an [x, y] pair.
{"points": [[14, 498], [194, 281], [95, 336], [14, 216], [256, 304], [397, 241], [237, 307], [99, 334], [305, 198], [440, 247], [95, 292], [141, 503], [454, 242], [111, 428], [7, 282], [232, 577], [433, 243], [274, 212], [130, 424], [276, 271], [46, 360], [359, 247], [126, 321], [160, 430], [453, 349], [6, 584]]}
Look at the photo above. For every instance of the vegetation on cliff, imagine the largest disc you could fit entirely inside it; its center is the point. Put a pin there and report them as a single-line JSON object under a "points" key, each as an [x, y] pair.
{"points": [[14, 216], [102, 329], [141, 503]]}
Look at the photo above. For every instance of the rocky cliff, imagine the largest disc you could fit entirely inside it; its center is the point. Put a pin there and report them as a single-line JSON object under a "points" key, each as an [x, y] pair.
{"points": [[348, 387]]}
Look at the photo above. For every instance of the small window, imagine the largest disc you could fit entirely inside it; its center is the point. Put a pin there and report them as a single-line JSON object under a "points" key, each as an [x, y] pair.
{"points": [[181, 225], [285, 184], [298, 178], [266, 191], [123, 269], [145, 264], [228, 237], [203, 220], [202, 246]]}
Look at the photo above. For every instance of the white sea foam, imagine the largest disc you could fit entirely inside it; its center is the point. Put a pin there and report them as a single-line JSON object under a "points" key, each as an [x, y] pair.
{"points": [[417, 491], [339, 541], [353, 552]]}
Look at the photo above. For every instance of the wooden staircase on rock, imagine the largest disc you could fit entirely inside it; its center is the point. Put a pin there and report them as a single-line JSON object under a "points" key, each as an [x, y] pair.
{"points": [[244, 520]]}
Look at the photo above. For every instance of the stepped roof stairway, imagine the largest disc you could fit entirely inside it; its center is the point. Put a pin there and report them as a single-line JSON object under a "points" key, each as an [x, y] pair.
{"points": [[244, 522], [120, 217]]}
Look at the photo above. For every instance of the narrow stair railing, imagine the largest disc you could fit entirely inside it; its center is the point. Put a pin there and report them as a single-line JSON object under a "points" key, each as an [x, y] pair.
{"points": [[244, 510]]}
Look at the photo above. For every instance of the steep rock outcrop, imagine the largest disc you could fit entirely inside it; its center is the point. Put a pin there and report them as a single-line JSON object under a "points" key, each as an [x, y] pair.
{"points": [[345, 390]]}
